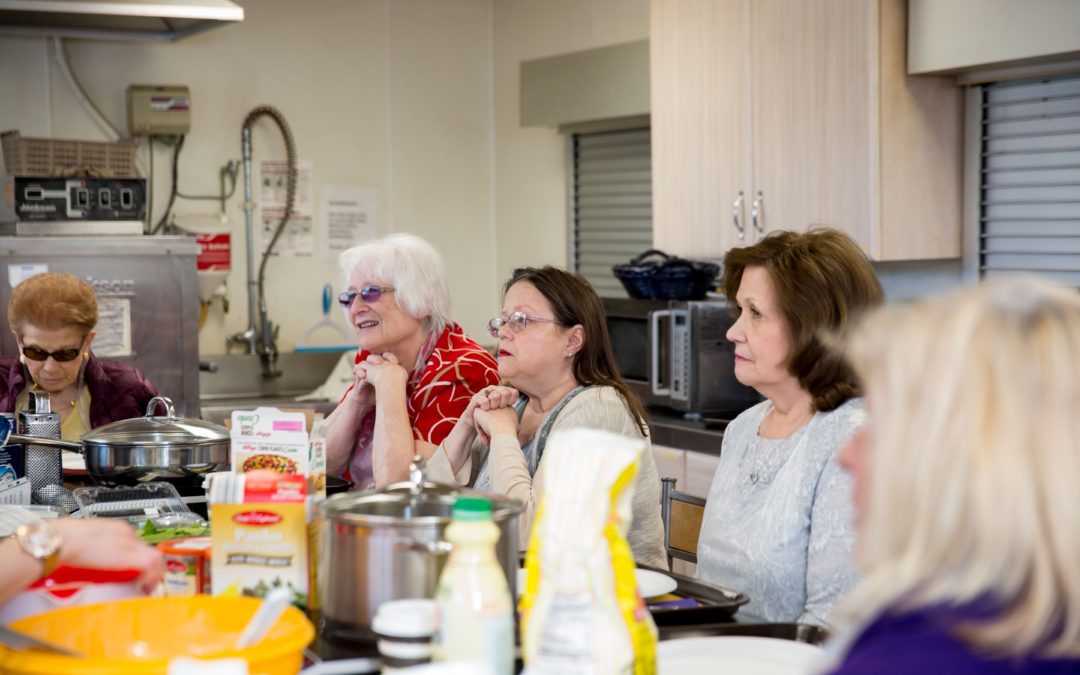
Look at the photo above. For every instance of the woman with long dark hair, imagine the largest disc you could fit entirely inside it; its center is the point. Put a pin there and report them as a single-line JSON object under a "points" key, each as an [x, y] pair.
{"points": [[559, 372]]}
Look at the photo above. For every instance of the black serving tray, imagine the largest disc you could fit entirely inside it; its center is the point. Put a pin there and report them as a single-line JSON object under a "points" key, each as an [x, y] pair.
{"points": [[799, 632], [714, 604]]}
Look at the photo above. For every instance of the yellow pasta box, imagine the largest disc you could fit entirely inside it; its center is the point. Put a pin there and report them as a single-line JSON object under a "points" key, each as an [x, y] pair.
{"points": [[262, 543]]}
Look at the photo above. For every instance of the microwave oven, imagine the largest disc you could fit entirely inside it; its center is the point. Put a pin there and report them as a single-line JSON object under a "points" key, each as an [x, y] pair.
{"points": [[676, 354]]}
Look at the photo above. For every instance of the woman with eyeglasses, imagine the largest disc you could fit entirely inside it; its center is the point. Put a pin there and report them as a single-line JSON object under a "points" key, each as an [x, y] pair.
{"points": [[53, 317], [416, 370], [556, 359]]}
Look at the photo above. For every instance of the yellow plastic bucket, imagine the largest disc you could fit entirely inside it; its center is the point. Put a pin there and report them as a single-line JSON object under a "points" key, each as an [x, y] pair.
{"points": [[139, 636]]}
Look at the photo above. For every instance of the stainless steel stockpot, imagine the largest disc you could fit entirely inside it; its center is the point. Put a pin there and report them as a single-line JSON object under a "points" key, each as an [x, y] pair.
{"points": [[390, 544], [166, 448]]}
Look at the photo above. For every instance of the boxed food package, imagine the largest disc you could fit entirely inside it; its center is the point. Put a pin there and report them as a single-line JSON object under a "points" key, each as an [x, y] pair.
{"points": [[282, 440], [268, 438], [262, 543]]}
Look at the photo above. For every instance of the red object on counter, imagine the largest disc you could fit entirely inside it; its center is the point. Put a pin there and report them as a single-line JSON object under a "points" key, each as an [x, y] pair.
{"points": [[187, 565], [68, 586]]}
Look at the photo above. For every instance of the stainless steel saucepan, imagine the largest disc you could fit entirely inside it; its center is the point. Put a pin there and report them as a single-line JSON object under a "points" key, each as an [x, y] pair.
{"points": [[151, 448]]}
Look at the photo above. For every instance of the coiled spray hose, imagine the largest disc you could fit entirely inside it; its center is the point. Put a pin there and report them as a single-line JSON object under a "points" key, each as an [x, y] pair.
{"points": [[290, 180]]}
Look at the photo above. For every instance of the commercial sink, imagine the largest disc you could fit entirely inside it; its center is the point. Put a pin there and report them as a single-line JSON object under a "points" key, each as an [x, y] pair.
{"points": [[237, 383]]}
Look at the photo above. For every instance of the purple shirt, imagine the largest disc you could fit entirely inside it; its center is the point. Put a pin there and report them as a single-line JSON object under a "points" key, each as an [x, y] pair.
{"points": [[921, 643]]}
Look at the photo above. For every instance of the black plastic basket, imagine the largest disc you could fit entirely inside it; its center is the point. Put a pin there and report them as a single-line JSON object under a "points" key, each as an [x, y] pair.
{"points": [[654, 275]]}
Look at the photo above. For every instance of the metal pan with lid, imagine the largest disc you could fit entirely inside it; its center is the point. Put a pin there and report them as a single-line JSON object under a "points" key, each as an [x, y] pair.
{"points": [[151, 448]]}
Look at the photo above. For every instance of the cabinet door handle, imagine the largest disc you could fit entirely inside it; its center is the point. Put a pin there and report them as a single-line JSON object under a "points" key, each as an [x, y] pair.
{"points": [[736, 215], [757, 212]]}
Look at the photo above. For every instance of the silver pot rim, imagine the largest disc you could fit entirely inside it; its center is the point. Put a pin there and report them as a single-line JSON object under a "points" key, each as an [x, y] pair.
{"points": [[339, 508]]}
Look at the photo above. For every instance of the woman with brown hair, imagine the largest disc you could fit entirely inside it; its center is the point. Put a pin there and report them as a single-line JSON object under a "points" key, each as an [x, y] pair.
{"points": [[53, 317], [778, 520], [556, 361]]}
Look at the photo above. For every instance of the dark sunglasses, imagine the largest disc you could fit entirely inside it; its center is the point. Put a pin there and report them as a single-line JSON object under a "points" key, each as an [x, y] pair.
{"points": [[367, 294], [60, 355]]}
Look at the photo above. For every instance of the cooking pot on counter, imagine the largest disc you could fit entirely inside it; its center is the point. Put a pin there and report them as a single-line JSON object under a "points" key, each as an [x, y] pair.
{"points": [[151, 448], [390, 544]]}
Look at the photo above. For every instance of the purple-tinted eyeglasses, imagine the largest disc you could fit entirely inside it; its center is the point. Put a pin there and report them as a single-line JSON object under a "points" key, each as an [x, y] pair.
{"points": [[367, 294]]}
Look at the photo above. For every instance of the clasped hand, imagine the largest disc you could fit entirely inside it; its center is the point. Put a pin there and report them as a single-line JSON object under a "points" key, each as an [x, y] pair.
{"points": [[377, 373], [491, 412]]}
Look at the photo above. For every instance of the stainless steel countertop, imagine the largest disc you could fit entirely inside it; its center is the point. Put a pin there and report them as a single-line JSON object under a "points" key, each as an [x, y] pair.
{"points": [[670, 428]]}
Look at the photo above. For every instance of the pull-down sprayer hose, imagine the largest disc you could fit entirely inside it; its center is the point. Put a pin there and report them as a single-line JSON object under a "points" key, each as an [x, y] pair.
{"points": [[260, 338]]}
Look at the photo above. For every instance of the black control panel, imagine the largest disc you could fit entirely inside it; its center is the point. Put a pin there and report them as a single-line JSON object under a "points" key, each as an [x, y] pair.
{"points": [[27, 199]]}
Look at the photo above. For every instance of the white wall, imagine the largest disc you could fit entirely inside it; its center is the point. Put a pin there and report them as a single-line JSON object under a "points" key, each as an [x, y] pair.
{"points": [[390, 94], [531, 176]]}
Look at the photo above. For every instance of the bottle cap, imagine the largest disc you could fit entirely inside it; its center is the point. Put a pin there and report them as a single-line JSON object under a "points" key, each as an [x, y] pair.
{"points": [[414, 618], [472, 509]]}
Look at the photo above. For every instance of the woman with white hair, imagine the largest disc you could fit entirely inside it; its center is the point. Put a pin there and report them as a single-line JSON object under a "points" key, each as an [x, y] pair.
{"points": [[416, 370], [965, 485]]}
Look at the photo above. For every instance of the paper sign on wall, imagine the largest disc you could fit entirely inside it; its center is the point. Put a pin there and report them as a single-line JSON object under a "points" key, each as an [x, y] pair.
{"points": [[298, 239], [347, 217]]}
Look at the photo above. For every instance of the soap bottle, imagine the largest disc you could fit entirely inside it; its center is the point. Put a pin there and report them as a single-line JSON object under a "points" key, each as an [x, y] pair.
{"points": [[476, 614]]}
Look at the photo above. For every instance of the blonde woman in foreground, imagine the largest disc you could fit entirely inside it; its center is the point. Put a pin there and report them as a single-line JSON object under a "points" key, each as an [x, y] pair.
{"points": [[965, 485]]}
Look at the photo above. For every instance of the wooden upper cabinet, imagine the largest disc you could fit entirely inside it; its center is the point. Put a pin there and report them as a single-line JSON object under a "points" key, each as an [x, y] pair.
{"points": [[804, 107], [700, 78]]}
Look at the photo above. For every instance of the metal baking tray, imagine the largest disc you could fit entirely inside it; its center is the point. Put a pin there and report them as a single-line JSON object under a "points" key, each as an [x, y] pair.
{"points": [[799, 632], [710, 604]]}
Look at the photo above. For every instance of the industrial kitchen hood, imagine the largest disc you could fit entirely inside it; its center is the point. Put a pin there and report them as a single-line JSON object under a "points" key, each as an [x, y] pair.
{"points": [[161, 20]]}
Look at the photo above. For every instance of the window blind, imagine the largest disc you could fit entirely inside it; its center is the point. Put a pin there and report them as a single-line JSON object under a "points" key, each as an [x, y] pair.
{"points": [[612, 204], [1030, 197]]}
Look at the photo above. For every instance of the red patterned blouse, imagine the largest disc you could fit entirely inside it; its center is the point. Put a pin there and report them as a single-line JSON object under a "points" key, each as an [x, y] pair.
{"points": [[448, 371]]}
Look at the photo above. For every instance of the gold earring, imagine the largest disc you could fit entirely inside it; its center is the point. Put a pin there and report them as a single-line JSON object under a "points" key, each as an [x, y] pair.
{"points": [[86, 356], [22, 359]]}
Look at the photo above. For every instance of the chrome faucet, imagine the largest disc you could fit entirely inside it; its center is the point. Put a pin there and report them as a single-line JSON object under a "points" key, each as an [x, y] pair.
{"points": [[260, 337]]}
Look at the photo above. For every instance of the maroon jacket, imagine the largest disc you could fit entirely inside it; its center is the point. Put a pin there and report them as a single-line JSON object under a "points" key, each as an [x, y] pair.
{"points": [[118, 391]]}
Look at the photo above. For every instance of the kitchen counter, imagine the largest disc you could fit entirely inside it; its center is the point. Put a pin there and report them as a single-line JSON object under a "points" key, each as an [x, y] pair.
{"points": [[672, 429]]}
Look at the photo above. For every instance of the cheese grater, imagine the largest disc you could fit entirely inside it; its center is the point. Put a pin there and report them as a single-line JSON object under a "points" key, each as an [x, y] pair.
{"points": [[43, 464]]}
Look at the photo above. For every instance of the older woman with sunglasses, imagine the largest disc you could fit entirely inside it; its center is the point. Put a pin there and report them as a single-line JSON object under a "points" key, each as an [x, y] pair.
{"points": [[556, 357], [53, 318], [416, 370]]}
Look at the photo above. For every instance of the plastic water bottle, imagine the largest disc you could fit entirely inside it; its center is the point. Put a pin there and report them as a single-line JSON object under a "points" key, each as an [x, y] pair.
{"points": [[476, 620]]}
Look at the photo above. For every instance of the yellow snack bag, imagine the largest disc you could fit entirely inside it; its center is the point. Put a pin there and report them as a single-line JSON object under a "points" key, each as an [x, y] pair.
{"points": [[580, 609]]}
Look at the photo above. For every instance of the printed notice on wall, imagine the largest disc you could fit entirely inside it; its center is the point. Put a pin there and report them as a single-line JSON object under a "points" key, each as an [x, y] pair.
{"points": [[114, 327], [20, 272], [298, 239], [347, 217]]}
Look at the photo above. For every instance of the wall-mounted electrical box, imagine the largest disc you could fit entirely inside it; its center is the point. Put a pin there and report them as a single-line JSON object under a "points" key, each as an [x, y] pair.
{"points": [[158, 110]]}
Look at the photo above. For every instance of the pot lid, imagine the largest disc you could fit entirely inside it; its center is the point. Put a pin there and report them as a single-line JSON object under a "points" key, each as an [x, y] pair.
{"points": [[152, 430]]}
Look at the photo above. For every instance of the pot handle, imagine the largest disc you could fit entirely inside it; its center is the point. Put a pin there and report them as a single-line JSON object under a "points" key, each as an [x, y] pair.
{"points": [[432, 547], [47, 442], [170, 411]]}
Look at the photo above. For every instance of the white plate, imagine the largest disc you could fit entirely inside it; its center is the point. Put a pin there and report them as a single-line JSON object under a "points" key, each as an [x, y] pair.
{"points": [[650, 584], [735, 654]]}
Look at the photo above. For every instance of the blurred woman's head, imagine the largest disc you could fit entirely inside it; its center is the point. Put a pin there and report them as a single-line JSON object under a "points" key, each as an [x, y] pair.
{"points": [[966, 474], [396, 289], [53, 316], [574, 337], [798, 288]]}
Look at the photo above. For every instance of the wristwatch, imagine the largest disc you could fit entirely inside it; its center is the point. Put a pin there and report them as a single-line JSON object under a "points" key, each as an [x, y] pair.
{"points": [[40, 541]]}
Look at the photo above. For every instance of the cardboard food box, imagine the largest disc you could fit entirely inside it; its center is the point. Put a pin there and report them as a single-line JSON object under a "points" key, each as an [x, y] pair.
{"points": [[262, 543]]}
